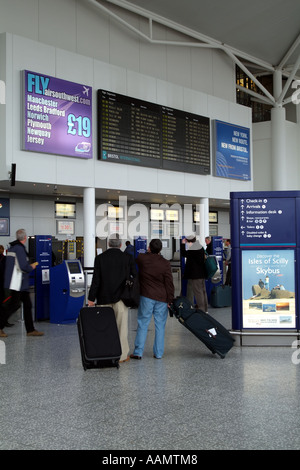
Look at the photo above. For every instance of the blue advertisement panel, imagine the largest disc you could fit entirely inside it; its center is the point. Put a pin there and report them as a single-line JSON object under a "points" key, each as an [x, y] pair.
{"points": [[57, 116], [268, 280], [140, 245], [43, 252], [232, 151]]}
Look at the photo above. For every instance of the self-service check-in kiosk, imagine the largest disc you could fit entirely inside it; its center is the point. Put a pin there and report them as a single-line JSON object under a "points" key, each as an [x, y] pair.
{"points": [[67, 291]]}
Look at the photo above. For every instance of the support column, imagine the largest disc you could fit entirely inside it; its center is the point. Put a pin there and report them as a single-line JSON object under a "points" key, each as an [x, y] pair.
{"points": [[89, 215], [204, 219], [278, 139]]}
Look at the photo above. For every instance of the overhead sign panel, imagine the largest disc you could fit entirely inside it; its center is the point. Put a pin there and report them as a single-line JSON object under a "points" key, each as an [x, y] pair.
{"points": [[267, 221], [57, 116]]}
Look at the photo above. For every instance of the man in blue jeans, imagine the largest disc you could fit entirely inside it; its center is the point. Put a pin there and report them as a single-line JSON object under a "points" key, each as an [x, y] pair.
{"points": [[156, 293]]}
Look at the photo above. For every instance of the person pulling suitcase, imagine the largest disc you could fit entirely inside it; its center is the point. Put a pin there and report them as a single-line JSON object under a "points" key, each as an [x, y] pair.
{"points": [[110, 274]]}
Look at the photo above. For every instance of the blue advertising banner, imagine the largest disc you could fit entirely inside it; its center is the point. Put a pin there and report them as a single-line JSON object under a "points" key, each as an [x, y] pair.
{"points": [[232, 151], [57, 116]]}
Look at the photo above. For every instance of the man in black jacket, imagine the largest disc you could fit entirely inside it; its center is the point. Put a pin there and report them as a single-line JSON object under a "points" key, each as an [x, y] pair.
{"points": [[194, 269], [111, 269], [12, 302]]}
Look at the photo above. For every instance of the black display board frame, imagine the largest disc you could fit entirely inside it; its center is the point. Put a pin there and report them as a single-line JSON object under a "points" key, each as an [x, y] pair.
{"points": [[141, 133]]}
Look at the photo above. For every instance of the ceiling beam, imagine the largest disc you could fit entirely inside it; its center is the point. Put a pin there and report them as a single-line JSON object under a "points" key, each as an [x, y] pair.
{"points": [[204, 41]]}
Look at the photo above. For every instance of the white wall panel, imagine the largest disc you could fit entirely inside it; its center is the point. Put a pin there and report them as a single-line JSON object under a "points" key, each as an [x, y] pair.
{"points": [[20, 17], [43, 207], [292, 160], [169, 94], [218, 108], [262, 163], [141, 179], [17, 222], [74, 67], [123, 46], [22, 206], [196, 185], [153, 57], [92, 33], [182, 74], [36, 167], [170, 182], [111, 175], [56, 24], [141, 86], [75, 171], [195, 102], [202, 70], [43, 226], [109, 77], [223, 76]]}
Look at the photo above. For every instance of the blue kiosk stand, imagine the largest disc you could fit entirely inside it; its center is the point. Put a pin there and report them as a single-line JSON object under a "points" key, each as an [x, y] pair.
{"points": [[265, 249], [67, 292], [40, 247]]}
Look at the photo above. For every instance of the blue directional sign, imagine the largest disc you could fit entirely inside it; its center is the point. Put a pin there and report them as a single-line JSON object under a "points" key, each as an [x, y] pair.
{"points": [[265, 252], [267, 221]]}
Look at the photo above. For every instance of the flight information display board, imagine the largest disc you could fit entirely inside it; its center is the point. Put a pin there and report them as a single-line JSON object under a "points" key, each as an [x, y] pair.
{"points": [[185, 141], [146, 134]]}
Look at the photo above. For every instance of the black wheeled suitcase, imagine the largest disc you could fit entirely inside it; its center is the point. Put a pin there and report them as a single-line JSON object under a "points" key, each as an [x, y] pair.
{"points": [[214, 335], [220, 296], [98, 337]]}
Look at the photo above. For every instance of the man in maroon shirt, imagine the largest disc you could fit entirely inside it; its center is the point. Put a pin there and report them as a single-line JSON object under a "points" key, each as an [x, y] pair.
{"points": [[156, 293]]}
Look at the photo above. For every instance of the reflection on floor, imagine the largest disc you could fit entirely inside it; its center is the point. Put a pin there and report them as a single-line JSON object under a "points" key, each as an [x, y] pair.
{"points": [[189, 400]]}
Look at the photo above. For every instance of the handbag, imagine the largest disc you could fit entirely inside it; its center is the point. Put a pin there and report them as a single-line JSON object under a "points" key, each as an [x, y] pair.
{"points": [[16, 278], [211, 266], [131, 292]]}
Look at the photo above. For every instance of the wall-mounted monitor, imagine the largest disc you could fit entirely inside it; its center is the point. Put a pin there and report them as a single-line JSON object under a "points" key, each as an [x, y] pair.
{"points": [[212, 217], [172, 215], [115, 212], [157, 214], [4, 226], [65, 210]]}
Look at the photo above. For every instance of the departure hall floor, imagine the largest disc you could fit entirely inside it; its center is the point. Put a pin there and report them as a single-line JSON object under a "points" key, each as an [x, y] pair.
{"points": [[189, 400]]}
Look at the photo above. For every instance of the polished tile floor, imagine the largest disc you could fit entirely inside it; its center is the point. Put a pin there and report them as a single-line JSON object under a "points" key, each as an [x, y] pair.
{"points": [[189, 400]]}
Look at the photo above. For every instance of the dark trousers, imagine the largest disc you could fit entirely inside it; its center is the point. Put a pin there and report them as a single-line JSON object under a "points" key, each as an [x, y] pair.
{"points": [[11, 303], [228, 275]]}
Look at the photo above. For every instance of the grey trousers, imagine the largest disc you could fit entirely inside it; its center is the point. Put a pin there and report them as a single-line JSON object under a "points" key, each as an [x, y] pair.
{"points": [[197, 288]]}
